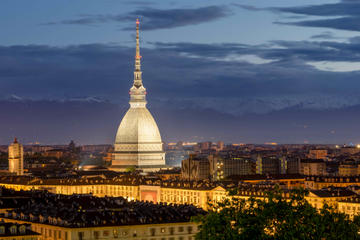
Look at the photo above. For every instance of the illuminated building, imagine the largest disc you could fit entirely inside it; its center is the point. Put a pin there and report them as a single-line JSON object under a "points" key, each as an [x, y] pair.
{"points": [[83, 217], [185, 230], [338, 198], [313, 167], [349, 168], [222, 167], [138, 141], [16, 158], [55, 153], [319, 182], [170, 191], [197, 193], [330, 196], [349, 150], [318, 154], [350, 206]]}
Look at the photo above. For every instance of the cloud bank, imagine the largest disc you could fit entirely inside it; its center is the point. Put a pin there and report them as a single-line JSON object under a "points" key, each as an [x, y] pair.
{"points": [[153, 19]]}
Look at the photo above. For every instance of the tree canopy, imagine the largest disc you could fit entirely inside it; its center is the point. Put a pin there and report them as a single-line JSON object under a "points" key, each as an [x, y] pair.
{"points": [[278, 215]]}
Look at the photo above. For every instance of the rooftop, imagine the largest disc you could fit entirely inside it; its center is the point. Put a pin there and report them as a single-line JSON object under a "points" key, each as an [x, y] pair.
{"points": [[9, 229], [88, 211]]}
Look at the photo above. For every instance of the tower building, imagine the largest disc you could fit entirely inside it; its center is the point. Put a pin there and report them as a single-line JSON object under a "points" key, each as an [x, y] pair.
{"points": [[16, 158], [138, 142]]}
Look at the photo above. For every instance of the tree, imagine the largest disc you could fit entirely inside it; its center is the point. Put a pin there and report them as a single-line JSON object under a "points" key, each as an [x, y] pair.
{"points": [[130, 169], [279, 216]]}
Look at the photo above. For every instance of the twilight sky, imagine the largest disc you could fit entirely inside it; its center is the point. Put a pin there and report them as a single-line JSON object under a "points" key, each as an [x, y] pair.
{"points": [[294, 64]]}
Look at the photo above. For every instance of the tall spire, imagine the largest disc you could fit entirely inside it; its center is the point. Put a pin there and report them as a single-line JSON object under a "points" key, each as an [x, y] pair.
{"points": [[137, 73], [137, 91], [137, 56]]}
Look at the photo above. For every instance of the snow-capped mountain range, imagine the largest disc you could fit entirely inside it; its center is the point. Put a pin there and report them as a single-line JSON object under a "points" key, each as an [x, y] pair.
{"points": [[234, 106]]}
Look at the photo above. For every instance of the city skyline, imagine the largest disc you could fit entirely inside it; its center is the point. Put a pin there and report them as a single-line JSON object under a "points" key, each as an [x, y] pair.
{"points": [[251, 71]]}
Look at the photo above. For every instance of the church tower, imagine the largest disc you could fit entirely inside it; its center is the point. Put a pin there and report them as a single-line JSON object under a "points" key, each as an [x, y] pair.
{"points": [[138, 142], [16, 158]]}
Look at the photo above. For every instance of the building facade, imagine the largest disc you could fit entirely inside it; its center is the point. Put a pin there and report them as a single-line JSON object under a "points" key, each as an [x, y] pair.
{"points": [[222, 167], [195, 168], [313, 167], [169, 231], [317, 154], [16, 158]]}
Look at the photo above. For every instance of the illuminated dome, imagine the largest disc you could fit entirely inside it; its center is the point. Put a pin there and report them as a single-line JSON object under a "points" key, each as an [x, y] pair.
{"points": [[138, 142], [138, 126]]}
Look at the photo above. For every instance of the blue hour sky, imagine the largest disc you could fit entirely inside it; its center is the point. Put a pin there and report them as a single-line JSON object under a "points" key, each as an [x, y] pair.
{"points": [[30, 22], [236, 58]]}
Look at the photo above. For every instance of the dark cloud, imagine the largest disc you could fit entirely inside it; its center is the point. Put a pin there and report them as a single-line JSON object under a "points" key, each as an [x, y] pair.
{"points": [[187, 75], [342, 23], [344, 15], [342, 8], [89, 20], [153, 19], [278, 51]]}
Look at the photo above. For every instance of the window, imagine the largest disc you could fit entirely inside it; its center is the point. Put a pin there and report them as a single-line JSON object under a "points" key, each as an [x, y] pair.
{"points": [[171, 230], [2, 230], [189, 229], [22, 229], [152, 231], [162, 230], [13, 229], [115, 233], [181, 229], [81, 235], [96, 235], [106, 233]]}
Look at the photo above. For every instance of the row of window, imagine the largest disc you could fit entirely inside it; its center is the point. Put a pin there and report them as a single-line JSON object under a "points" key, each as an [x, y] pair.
{"points": [[123, 233]]}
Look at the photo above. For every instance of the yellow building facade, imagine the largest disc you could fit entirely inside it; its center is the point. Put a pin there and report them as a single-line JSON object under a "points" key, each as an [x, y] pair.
{"points": [[168, 231], [171, 192]]}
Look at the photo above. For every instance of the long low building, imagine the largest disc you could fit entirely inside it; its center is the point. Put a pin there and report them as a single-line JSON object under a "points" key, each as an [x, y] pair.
{"points": [[135, 187], [319, 182], [83, 217], [169, 231], [197, 193]]}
